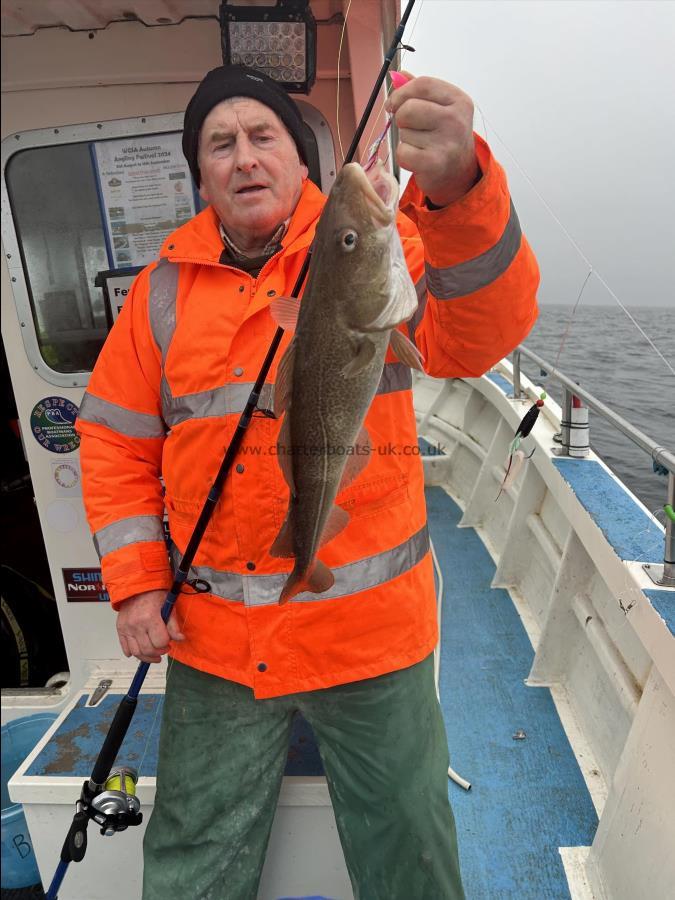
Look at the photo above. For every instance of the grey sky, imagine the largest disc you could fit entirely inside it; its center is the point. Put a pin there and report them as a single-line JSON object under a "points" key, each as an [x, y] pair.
{"points": [[582, 92]]}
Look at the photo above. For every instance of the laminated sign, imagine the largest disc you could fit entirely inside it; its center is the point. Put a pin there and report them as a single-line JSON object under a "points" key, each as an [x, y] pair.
{"points": [[146, 192], [84, 585]]}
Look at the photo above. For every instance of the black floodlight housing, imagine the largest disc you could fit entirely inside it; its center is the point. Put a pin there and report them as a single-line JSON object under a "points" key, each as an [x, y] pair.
{"points": [[278, 39]]}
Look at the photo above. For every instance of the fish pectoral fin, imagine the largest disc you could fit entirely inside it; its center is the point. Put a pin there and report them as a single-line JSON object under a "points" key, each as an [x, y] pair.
{"points": [[357, 460], [316, 580], [283, 386], [406, 351], [337, 521], [285, 311], [364, 356]]}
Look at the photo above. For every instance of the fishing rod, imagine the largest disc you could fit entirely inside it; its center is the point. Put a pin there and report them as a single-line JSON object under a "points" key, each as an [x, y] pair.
{"points": [[108, 797]]}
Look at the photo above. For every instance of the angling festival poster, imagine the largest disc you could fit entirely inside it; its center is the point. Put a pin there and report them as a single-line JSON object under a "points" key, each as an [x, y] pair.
{"points": [[145, 191]]}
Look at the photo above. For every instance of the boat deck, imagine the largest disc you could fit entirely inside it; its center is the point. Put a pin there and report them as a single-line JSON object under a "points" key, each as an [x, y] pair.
{"points": [[528, 796]]}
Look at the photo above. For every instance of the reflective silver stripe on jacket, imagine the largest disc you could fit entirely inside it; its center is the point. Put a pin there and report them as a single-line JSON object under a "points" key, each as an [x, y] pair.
{"points": [[474, 274], [364, 574], [395, 377], [421, 289], [163, 293], [222, 401], [133, 530], [123, 421], [230, 398]]}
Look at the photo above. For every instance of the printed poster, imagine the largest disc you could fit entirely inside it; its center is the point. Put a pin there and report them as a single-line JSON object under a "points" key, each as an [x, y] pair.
{"points": [[146, 192]]}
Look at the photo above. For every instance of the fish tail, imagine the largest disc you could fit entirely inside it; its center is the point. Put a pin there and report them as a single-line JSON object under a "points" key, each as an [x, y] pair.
{"points": [[317, 579]]}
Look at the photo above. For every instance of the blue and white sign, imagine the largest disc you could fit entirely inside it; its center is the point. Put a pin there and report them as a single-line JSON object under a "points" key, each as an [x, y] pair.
{"points": [[52, 423]]}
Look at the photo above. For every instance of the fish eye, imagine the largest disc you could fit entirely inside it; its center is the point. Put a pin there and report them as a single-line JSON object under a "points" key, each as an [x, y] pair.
{"points": [[349, 239]]}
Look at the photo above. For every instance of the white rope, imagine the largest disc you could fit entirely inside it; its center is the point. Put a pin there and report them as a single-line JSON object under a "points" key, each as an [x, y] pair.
{"points": [[439, 607], [462, 782]]}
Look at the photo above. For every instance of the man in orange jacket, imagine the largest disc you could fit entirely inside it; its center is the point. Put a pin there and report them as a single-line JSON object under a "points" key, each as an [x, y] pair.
{"points": [[164, 400]]}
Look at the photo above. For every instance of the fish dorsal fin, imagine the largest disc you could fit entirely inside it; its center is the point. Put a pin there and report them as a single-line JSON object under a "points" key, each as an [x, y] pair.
{"points": [[284, 454], [363, 358], [285, 311], [284, 383], [357, 460], [406, 351]]}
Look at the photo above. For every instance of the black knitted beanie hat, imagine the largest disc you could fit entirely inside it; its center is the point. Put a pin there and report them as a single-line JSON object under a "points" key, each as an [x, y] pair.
{"points": [[238, 81]]}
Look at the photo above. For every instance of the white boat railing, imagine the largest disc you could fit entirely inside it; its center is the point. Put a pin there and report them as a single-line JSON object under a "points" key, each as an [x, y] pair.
{"points": [[663, 459]]}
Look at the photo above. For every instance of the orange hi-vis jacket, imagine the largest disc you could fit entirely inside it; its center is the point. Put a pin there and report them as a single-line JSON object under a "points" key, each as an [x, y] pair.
{"points": [[166, 395]]}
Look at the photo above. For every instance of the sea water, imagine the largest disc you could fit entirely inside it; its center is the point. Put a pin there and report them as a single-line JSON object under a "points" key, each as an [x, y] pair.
{"points": [[608, 356]]}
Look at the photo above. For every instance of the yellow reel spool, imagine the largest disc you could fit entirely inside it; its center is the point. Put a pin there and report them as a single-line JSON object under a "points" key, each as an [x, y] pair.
{"points": [[122, 779]]}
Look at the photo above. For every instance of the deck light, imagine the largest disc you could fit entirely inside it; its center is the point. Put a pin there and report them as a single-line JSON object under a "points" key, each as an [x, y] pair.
{"points": [[278, 39]]}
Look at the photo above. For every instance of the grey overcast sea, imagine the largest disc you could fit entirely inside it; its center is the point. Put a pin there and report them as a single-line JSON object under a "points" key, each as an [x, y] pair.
{"points": [[608, 356]]}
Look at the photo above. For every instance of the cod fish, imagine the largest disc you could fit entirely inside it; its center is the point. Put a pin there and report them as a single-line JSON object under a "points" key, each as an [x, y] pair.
{"points": [[358, 290]]}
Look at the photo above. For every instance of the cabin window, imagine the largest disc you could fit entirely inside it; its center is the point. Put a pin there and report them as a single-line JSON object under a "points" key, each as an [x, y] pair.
{"points": [[86, 208], [54, 201]]}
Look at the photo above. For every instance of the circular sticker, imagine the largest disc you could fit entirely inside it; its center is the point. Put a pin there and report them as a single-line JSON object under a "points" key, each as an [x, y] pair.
{"points": [[53, 425], [66, 475]]}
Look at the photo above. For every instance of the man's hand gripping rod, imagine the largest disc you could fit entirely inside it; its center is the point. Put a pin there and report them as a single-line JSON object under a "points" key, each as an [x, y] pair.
{"points": [[117, 810]]}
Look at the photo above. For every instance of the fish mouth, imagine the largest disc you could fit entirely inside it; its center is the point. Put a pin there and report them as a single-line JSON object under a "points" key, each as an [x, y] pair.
{"points": [[380, 190]]}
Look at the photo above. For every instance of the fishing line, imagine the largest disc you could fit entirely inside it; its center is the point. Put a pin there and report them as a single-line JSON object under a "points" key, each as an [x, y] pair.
{"points": [[576, 246], [374, 148], [655, 546], [337, 93], [402, 52], [485, 130], [569, 321]]}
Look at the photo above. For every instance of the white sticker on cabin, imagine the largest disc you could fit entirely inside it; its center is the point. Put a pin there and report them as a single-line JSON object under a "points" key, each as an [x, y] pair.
{"points": [[118, 287], [67, 478]]}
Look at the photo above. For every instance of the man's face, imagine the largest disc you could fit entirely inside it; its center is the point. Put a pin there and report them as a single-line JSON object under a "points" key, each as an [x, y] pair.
{"points": [[250, 169]]}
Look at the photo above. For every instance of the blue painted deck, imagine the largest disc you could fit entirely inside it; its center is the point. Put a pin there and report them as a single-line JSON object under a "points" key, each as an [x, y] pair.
{"points": [[629, 530], [528, 796], [663, 602], [73, 749], [502, 383]]}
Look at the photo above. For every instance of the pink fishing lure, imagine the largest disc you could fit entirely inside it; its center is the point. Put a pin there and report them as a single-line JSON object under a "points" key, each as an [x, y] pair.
{"points": [[398, 79]]}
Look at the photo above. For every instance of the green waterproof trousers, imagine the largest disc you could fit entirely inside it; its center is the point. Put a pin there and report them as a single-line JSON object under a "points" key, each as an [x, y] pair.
{"points": [[221, 759]]}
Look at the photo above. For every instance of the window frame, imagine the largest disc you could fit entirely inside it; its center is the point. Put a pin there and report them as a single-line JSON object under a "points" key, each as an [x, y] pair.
{"points": [[48, 137]]}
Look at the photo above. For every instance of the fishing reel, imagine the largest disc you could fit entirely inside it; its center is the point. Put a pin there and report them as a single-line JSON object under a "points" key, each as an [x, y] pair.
{"points": [[117, 807], [114, 808]]}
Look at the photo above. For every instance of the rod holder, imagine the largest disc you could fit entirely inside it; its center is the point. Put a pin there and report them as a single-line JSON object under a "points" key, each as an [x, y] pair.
{"points": [[668, 579], [517, 390], [565, 422]]}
